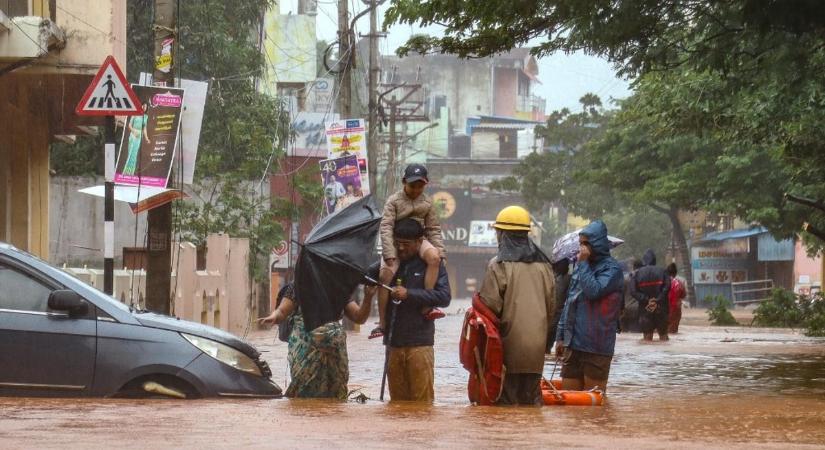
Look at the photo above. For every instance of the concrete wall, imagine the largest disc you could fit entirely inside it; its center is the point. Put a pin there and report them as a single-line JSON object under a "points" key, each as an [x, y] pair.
{"points": [[94, 30], [807, 271], [76, 224], [485, 144], [75, 234], [506, 90], [467, 84], [220, 296]]}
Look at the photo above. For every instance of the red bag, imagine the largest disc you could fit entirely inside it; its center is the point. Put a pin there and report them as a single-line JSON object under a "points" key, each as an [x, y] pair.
{"points": [[482, 353]]}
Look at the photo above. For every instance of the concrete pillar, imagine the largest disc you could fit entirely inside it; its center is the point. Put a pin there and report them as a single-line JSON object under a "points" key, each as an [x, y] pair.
{"points": [[24, 165]]}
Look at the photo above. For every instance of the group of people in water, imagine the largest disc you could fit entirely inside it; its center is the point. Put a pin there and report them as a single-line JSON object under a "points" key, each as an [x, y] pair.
{"points": [[542, 306]]}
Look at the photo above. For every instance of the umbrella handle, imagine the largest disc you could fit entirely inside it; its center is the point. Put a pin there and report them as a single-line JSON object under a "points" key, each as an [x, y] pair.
{"points": [[376, 282]]}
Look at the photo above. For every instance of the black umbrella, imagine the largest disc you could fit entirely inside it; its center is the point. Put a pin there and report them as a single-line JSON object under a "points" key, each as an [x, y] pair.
{"points": [[333, 261]]}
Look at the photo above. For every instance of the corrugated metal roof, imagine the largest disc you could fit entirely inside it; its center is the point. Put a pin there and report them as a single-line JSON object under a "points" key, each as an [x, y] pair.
{"points": [[732, 234]]}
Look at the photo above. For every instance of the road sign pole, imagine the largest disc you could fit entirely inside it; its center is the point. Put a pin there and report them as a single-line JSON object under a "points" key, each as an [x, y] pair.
{"points": [[108, 95], [109, 209]]}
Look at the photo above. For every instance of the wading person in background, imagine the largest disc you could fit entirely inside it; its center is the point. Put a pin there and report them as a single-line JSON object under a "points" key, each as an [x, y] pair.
{"points": [[318, 362], [519, 288], [410, 202], [586, 335], [650, 288], [561, 271], [630, 307], [677, 293], [411, 335]]}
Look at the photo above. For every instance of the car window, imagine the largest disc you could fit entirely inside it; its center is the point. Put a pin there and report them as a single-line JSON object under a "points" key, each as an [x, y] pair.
{"points": [[19, 291]]}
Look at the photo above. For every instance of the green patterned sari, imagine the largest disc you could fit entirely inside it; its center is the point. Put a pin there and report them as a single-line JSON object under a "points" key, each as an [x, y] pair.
{"points": [[318, 361]]}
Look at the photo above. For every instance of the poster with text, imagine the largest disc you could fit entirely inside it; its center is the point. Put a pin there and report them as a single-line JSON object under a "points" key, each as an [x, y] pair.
{"points": [[342, 183], [147, 148], [347, 137]]}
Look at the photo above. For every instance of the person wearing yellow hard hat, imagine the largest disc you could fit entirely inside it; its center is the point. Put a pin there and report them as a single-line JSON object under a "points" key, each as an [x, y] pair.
{"points": [[519, 288]]}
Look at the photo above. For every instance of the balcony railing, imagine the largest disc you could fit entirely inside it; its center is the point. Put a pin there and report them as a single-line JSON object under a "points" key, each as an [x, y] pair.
{"points": [[530, 103]]}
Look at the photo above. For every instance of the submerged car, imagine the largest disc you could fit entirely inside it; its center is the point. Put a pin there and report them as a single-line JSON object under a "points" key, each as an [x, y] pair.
{"points": [[61, 337]]}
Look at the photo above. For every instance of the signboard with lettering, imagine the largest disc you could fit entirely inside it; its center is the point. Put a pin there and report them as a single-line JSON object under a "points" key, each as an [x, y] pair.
{"points": [[454, 209], [147, 148], [723, 264], [347, 137], [483, 234], [310, 136]]}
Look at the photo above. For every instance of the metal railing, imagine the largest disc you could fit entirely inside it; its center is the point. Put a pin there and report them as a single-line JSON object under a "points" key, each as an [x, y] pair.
{"points": [[747, 292]]}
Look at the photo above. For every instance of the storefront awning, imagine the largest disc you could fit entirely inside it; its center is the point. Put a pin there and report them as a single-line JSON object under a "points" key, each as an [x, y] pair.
{"points": [[731, 234]]}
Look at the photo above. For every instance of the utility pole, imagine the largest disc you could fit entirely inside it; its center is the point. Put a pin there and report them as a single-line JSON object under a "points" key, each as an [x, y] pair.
{"points": [[372, 136], [391, 169], [401, 110], [159, 223], [344, 58]]}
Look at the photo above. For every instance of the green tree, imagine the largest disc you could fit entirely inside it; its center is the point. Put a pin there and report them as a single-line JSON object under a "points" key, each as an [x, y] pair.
{"points": [[743, 76]]}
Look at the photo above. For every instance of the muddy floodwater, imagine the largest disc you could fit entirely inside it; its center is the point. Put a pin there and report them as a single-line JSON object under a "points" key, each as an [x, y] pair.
{"points": [[709, 387]]}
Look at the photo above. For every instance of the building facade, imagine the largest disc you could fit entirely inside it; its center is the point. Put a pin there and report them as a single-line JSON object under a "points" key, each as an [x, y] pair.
{"points": [[49, 51]]}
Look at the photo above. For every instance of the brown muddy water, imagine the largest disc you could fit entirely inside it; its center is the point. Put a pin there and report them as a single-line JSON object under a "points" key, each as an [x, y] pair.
{"points": [[709, 387]]}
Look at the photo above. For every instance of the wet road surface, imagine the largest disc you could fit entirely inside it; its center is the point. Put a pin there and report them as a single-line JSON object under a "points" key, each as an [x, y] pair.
{"points": [[709, 387]]}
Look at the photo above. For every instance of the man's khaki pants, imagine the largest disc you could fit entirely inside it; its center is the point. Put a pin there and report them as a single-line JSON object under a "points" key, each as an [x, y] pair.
{"points": [[411, 373]]}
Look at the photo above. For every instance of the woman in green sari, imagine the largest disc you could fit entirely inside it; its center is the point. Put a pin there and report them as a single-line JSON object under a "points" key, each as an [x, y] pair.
{"points": [[138, 131], [318, 362]]}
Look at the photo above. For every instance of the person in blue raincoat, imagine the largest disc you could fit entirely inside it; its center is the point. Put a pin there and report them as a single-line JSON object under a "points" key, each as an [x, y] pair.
{"points": [[586, 334]]}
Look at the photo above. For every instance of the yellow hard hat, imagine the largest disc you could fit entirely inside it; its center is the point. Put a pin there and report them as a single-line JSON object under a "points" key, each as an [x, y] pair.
{"points": [[513, 218]]}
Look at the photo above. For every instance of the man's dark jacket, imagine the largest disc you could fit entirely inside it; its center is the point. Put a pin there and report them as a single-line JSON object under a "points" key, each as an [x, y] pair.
{"points": [[651, 282], [411, 329]]}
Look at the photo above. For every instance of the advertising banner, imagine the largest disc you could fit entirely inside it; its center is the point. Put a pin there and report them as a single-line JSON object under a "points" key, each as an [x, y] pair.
{"points": [[723, 264], [147, 148], [342, 182], [454, 209], [347, 137], [310, 134], [482, 234]]}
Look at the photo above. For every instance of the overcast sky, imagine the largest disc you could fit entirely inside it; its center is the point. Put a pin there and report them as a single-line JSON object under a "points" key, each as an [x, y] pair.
{"points": [[564, 78]]}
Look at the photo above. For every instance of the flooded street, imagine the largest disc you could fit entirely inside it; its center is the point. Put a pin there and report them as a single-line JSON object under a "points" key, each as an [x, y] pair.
{"points": [[732, 387]]}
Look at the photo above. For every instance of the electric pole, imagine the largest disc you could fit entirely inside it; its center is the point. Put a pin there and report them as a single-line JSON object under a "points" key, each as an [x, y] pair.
{"points": [[391, 169], [372, 136], [344, 58], [159, 223]]}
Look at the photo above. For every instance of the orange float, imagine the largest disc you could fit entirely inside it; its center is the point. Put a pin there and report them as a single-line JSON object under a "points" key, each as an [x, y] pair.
{"points": [[552, 394]]}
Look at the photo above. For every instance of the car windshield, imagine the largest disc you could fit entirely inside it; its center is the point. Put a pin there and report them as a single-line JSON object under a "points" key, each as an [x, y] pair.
{"points": [[64, 278]]}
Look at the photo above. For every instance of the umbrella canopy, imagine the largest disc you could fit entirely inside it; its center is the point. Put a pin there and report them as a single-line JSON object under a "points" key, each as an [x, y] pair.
{"points": [[333, 261], [567, 246]]}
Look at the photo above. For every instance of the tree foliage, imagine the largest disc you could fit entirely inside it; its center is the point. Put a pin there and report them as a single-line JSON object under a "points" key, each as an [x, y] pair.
{"points": [[728, 94]]}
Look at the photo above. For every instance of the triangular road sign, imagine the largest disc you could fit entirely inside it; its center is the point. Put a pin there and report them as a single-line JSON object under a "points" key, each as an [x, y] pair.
{"points": [[109, 94]]}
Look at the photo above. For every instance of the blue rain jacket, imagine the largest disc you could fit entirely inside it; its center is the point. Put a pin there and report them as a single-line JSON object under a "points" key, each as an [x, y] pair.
{"points": [[590, 317]]}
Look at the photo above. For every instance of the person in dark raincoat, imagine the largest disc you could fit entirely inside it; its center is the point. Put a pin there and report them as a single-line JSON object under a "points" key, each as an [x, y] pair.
{"points": [[519, 288], [650, 288], [561, 271], [586, 335], [630, 307]]}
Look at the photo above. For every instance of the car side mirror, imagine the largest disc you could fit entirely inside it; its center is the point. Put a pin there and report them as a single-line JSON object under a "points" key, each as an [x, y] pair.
{"points": [[69, 301]]}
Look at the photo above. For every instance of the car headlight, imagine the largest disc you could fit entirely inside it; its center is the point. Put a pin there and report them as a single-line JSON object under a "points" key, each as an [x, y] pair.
{"points": [[224, 354]]}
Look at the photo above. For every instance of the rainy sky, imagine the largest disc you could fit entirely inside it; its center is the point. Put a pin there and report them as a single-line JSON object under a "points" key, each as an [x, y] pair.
{"points": [[565, 78]]}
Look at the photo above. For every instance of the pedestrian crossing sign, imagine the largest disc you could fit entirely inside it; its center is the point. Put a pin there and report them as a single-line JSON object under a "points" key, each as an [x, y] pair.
{"points": [[109, 94]]}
